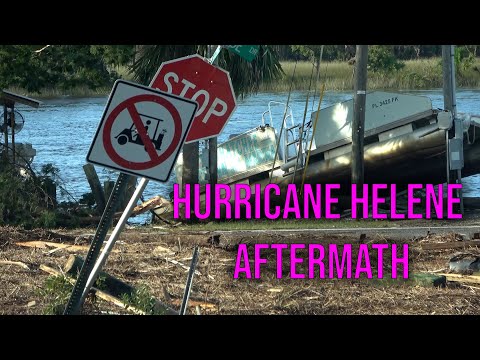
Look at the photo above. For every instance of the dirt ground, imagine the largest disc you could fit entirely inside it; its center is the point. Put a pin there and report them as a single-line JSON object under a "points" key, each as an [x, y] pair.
{"points": [[142, 258]]}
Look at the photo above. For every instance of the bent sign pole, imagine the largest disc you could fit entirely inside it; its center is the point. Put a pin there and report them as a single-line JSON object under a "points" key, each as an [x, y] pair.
{"points": [[141, 133]]}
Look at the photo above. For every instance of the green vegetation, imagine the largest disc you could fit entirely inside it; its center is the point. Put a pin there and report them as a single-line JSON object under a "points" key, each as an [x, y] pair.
{"points": [[55, 292], [90, 70], [142, 299], [416, 74]]}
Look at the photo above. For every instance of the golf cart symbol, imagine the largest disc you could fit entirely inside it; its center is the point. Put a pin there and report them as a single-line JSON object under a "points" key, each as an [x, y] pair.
{"points": [[131, 135]]}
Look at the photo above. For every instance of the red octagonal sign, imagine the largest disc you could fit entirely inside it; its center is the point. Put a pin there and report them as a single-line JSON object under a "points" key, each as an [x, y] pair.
{"points": [[192, 77]]}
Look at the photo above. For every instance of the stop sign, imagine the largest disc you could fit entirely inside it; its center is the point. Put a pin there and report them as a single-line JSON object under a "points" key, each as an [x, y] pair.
{"points": [[194, 78]]}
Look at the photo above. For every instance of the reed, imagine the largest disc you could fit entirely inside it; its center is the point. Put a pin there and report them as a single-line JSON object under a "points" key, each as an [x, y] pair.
{"points": [[417, 74]]}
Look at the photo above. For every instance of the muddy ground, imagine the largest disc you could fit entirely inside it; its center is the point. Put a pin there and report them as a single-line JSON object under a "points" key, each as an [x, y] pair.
{"points": [[141, 260]]}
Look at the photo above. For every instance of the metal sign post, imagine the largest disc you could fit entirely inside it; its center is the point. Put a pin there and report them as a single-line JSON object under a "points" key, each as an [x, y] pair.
{"points": [[188, 285], [141, 133]]}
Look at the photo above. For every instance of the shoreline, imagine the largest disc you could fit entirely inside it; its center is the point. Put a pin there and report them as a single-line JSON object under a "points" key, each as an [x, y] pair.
{"points": [[423, 74]]}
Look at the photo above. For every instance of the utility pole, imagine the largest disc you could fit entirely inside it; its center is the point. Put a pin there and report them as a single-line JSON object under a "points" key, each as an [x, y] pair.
{"points": [[212, 148], [454, 137], [358, 124]]}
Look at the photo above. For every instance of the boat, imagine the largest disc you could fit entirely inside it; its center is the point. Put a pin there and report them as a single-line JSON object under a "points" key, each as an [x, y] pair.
{"points": [[406, 141]]}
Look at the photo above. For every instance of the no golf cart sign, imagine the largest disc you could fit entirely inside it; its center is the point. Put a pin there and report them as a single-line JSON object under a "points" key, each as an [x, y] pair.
{"points": [[142, 130]]}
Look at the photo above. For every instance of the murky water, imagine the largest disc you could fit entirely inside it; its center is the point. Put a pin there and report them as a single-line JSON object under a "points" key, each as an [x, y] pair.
{"points": [[62, 129]]}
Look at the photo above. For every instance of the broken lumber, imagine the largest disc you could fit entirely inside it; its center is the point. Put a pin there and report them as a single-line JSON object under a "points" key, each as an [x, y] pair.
{"points": [[46, 244], [194, 303], [111, 285], [472, 279], [18, 263], [148, 205]]}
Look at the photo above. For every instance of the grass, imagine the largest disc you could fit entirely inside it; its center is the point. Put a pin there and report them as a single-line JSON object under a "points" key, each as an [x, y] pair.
{"points": [[417, 74]]}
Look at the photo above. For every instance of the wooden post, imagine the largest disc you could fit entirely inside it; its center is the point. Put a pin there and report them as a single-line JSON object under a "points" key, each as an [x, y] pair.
{"points": [[450, 104], [108, 187], [190, 167], [5, 123], [12, 125], [358, 124], [95, 185]]}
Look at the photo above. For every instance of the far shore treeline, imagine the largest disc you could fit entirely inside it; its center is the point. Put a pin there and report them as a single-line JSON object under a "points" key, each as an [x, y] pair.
{"points": [[89, 70]]}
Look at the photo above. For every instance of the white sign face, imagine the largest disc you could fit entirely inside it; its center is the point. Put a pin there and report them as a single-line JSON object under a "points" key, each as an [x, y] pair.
{"points": [[142, 131]]}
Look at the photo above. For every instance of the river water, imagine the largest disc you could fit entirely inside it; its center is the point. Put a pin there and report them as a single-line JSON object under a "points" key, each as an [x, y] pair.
{"points": [[62, 129]]}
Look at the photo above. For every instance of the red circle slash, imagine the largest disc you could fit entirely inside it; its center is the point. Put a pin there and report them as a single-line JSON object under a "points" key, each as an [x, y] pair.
{"points": [[129, 105]]}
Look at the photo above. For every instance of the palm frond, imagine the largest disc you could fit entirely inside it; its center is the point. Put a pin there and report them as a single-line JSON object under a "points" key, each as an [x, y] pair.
{"points": [[246, 77]]}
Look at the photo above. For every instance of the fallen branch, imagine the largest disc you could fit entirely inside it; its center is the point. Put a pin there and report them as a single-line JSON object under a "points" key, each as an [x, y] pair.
{"points": [[18, 263], [178, 263]]}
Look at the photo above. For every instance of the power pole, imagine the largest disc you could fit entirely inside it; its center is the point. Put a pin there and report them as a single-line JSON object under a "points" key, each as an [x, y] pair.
{"points": [[358, 125], [454, 137], [212, 153]]}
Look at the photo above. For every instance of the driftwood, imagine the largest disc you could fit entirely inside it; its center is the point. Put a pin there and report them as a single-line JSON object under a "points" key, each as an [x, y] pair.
{"points": [[111, 285]]}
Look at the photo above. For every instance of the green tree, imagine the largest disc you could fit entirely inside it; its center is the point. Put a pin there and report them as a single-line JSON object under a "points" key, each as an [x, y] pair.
{"points": [[246, 76], [63, 66], [381, 58]]}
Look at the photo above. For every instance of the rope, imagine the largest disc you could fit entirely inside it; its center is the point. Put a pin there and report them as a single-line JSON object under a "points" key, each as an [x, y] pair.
{"points": [[315, 123], [301, 130], [311, 140], [283, 122]]}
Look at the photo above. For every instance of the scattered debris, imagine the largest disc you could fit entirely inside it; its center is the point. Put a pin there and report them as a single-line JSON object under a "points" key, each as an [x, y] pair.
{"points": [[99, 293], [464, 262], [18, 263], [56, 246], [450, 245], [474, 279]]}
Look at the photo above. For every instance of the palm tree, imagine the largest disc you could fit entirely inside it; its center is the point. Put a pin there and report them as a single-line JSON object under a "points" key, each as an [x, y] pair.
{"points": [[246, 77]]}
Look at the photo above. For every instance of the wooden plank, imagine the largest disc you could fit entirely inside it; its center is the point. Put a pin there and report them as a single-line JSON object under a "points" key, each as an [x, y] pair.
{"points": [[17, 263], [46, 244], [473, 279], [96, 187], [450, 245]]}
